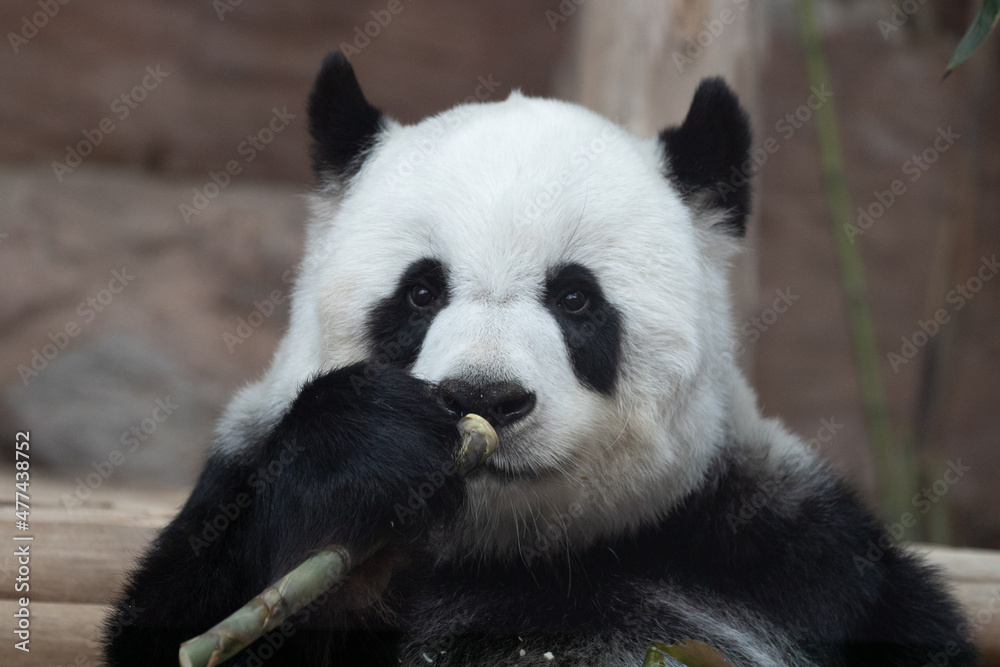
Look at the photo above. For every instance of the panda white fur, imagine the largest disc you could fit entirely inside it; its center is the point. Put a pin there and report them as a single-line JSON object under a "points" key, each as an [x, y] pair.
{"points": [[532, 262]]}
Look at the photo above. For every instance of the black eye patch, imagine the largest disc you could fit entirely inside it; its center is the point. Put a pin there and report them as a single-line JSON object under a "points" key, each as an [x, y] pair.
{"points": [[591, 326], [396, 326]]}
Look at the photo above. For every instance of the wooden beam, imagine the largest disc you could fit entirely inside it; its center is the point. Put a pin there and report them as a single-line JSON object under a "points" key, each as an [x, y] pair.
{"points": [[639, 63], [62, 634], [79, 555]]}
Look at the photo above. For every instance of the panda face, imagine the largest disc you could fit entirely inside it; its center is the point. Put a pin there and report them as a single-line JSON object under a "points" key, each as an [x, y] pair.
{"points": [[529, 248], [540, 266]]}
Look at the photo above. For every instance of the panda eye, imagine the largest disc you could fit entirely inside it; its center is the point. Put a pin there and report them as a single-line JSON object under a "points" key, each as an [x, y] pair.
{"points": [[574, 302], [422, 297]]}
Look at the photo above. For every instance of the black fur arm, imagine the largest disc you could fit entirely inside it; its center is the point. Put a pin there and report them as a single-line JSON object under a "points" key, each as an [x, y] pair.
{"points": [[796, 544], [346, 457]]}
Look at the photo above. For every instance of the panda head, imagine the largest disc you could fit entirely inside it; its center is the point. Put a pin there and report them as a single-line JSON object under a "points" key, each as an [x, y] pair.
{"points": [[542, 267]]}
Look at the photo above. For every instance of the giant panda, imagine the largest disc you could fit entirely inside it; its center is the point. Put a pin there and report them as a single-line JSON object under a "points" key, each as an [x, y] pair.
{"points": [[529, 261]]}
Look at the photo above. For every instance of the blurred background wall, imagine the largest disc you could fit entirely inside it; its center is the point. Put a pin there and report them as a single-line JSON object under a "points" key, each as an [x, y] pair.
{"points": [[153, 158]]}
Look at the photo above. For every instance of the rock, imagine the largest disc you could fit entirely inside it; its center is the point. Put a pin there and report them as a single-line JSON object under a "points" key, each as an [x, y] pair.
{"points": [[109, 301], [118, 408]]}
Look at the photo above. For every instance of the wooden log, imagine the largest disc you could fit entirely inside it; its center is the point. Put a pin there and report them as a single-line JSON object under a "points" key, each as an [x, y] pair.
{"points": [[79, 554], [639, 63], [974, 575], [62, 634]]}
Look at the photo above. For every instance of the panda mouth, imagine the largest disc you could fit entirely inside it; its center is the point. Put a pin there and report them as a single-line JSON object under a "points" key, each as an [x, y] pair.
{"points": [[517, 459], [513, 466]]}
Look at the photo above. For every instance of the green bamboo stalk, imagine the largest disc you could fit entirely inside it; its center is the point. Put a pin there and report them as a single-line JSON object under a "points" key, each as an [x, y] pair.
{"points": [[268, 610], [318, 574], [894, 468]]}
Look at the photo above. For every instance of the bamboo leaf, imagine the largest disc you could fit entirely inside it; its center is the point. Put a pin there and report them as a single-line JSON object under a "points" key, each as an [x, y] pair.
{"points": [[689, 652], [654, 658], [980, 29]]}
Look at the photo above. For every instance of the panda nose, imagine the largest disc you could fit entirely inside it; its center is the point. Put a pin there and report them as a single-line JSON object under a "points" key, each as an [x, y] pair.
{"points": [[500, 403]]}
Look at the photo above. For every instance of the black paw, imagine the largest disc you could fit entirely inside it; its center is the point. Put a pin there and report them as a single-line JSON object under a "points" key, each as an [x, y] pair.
{"points": [[373, 458]]}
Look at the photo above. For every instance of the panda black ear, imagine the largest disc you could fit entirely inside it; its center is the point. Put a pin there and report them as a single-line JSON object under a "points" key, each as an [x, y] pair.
{"points": [[342, 123], [706, 153]]}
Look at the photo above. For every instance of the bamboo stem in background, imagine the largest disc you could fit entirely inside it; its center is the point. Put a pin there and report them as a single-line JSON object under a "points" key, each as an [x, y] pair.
{"points": [[894, 467]]}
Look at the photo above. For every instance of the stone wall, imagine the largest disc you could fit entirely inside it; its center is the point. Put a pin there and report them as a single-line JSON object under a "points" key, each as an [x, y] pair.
{"points": [[136, 275], [225, 65]]}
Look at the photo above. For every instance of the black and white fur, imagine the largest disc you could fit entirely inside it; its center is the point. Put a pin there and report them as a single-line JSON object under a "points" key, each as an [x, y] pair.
{"points": [[531, 261]]}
